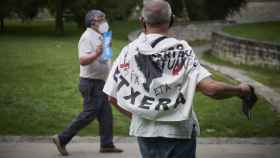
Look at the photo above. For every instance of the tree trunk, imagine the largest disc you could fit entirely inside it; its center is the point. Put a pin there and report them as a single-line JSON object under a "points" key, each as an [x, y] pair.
{"points": [[59, 26], [185, 12], [2, 24]]}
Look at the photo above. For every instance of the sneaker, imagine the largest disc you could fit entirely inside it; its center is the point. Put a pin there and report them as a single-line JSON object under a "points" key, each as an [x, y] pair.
{"points": [[110, 149], [61, 148]]}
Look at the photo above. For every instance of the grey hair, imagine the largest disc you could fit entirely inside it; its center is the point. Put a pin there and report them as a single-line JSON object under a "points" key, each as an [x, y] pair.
{"points": [[91, 15], [156, 12]]}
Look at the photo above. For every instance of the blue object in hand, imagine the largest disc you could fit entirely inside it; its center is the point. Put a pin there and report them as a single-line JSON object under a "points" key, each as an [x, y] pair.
{"points": [[107, 49]]}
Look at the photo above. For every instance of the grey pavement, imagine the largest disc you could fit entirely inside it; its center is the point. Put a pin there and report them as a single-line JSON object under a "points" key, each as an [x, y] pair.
{"points": [[90, 150]]}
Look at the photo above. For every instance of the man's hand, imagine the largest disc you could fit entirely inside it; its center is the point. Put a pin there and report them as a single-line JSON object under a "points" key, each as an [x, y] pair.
{"points": [[90, 57], [114, 102], [220, 90], [99, 49], [244, 89]]}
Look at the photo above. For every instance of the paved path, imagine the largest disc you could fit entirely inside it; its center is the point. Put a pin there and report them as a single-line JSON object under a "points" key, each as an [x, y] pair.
{"points": [[90, 150], [87, 147], [269, 94]]}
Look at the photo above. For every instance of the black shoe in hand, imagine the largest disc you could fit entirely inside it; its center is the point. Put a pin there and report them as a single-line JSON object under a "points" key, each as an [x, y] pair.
{"points": [[248, 103]]}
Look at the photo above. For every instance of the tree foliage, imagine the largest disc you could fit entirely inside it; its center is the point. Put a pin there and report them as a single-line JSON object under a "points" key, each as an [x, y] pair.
{"points": [[76, 10], [5, 11], [115, 10], [207, 9], [27, 9], [23, 9], [5, 8]]}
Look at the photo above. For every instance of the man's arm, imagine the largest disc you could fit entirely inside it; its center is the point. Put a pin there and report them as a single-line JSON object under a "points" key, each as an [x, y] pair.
{"points": [[89, 58], [114, 102], [220, 90]]}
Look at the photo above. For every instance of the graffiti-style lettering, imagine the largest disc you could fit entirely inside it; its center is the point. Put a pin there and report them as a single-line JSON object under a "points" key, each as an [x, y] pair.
{"points": [[164, 103], [162, 89], [180, 100], [122, 83], [116, 73], [134, 78], [146, 101], [132, 96]]}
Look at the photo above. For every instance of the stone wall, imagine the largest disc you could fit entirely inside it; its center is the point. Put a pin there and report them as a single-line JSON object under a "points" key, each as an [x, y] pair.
{"points": [[245, 51], [191, 32], [200, 30]]}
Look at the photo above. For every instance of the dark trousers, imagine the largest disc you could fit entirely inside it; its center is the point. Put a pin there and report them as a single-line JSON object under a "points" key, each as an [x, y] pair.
{"points": [[160, 147], [95, 105]]}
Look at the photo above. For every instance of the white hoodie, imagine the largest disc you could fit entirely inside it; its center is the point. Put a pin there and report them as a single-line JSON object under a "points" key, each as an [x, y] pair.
{"points": [[156, 83]]}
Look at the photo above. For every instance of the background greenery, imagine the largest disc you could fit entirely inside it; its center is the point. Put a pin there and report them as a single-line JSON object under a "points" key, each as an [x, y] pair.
{"points": [[263, 31], [206, 9], [75, 10], [39, 95]]}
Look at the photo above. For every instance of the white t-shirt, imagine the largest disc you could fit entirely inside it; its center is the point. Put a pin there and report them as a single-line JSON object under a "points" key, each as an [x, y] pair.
{"points": [[88, 43], [157, 86]]}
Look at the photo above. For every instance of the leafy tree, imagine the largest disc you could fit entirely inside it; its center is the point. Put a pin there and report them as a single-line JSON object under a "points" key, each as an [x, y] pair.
{"points": [[179, 8], [5, 11], [24, 9], [27, 9], [58, 8], [76, 10], [220, 9], [118, 10], [206, 9], [79, 9], [115, 10]]}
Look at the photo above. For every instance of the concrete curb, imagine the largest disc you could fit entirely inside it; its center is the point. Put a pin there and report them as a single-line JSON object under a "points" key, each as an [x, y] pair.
{"points": [[120, 139]]}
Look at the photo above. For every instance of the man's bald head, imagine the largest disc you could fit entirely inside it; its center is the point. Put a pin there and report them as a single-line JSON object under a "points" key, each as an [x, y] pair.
{"points": [[156, 12]]}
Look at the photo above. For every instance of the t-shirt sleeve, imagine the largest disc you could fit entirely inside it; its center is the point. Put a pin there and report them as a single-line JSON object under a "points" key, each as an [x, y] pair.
{"points": [[110, 87], [84, 47], [203, 73]]}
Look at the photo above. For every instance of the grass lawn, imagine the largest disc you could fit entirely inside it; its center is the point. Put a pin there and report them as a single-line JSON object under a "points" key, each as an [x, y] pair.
{"points": [[39, 95], [223, 118], [265, 31]]}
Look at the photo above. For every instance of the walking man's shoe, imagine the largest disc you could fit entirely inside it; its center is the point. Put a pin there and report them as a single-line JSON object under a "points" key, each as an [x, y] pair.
{"points": [[110, 149], [60, 147]]}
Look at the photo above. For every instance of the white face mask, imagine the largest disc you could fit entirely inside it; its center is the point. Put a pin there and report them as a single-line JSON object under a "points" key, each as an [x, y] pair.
{"points": [[104, 27]]}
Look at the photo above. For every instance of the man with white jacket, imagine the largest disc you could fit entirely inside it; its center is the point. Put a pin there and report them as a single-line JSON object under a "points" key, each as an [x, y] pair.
{"points": [[154, 80]]}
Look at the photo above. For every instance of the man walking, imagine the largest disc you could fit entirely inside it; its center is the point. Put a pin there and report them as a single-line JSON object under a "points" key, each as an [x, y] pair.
{"points": [[154, 80], [93, 72]]}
